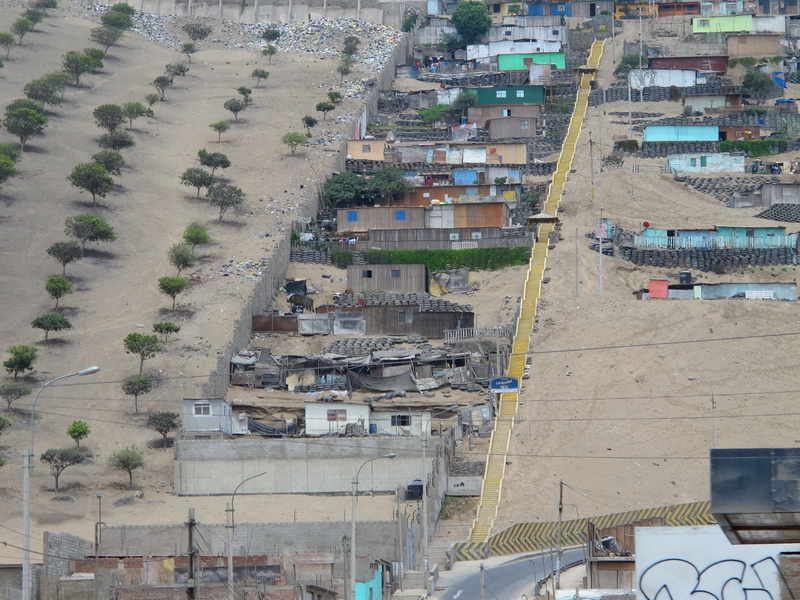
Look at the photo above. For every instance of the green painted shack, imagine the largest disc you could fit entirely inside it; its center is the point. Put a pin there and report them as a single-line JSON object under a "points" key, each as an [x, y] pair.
{"points": [[510, 94], [522, 62], [722, 23]]}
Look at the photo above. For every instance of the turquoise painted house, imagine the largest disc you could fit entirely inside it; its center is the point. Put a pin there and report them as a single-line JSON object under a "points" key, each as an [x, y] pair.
{"points": [[521, 62], [372, 589], [510, 94], [722, 23], [681, 133]]}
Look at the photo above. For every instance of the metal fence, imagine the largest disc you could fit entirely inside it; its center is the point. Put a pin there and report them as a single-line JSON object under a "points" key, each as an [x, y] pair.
{"points": [[473, 333], [716, 241]]}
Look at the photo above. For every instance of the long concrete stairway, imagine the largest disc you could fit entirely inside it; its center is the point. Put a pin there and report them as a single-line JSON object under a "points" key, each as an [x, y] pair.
{"points": [[507, 410]]}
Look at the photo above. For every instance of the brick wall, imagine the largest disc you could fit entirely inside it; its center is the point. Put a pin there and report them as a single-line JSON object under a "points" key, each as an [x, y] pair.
{"points": [[789, 567]]}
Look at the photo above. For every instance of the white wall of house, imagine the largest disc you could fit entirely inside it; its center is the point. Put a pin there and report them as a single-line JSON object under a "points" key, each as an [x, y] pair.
{"points": [[769, 23], [323, 418], [492, 49], [207, 415], [641, 78], [708, 162], [402, 423]]}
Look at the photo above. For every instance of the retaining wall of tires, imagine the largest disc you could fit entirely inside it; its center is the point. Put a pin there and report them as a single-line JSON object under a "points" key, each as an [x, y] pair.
{"points": [[710, 260]]}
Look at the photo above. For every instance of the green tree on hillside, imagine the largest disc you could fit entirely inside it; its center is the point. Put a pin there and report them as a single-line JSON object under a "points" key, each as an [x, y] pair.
{"points": [[225, 197], [269, 52], [235, 105], [24, 123], [112, 161], [164, 422], [89, 227], [188, 49], [196, 31], [77, 64], [34, 15], [293, 140], [78, 431], [21, 27], [471, 20], [164, 328], [117, 20], [65, 253], [220, 127], [136, 387], [6, 41], [109, 116], [128, 460], [116, 140], [58, 287], [11, 392], [105, 36], [325, 108], [93, 178], [58, 459], [213, 160], [181, 256], [197, 178], [161, 83], [133, 110], [258, 75], [344, 189], [172, 286], [50, 322], [196, 234], [145, 346], [22, 359], [7, 169]]}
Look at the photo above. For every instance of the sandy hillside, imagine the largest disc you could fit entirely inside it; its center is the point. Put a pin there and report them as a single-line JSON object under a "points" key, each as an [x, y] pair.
{"points": [[608, 408], [115, 284]]}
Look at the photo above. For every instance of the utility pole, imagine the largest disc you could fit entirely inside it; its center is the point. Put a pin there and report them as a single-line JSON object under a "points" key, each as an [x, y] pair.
{"points": [[591, 162], [229, 536], [613, 37], [600, 127], [600, 229], [577, 278], [190, 589], [560, 514], [483, 589], [630, 109]]}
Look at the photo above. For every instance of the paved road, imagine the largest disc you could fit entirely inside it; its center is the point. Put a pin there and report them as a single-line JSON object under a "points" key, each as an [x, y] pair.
{"points": [[508, 581]]}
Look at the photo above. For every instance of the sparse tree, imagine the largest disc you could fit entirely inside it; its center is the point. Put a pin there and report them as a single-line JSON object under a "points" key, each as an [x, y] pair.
{"points": [[181, 256], [196, 31], [344, 69], [7, 169], [164, 328], [58, 287], [21, 27], [387, 181], [34, 15], [188, 49], [4, 424], [197, 178], [269, 52], [335, 96], [246, 93], [351, 44], [45, 90], [176, 70], [133, 110], [146, 346], [164, 422], [112, 161], [196, 234], [758, 86], [225, 197], [213, 160], [58, 81], [325, 108], [22, 359], [258, 75], [309, 122], [97, 55], [58, 459], [77, 64], [124, 7], [151, 99], [137, 387], [463, 101], [65, 253], [116, 140], [117, 19], [128, 460], [172, 286], [109, 116], [161, 83], [105, 36], [78, 431], [50, 322], [93, 178], [293, 140], [235, 106], [270, 34], [6, 41], [11, 392], [471, 20], [344, 189], [220, 127], [89, 227], [23, 123]]}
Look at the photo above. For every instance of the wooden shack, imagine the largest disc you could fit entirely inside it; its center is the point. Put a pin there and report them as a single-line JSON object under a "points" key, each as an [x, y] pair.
{"points": [[388, 278]]}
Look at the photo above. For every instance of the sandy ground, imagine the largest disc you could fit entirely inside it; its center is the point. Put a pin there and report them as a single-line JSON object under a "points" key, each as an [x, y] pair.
{"points": [[115, 284], [609, 409]]}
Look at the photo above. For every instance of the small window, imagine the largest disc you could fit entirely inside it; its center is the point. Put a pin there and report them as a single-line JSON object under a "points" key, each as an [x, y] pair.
{"points": [[520, 93], [703, 161], [395, 272], [501, 93], [366, 148], [508, 32], [477, 235], [524, 124], [352, 215], [555, 32], [506, 112], [562, 8], [400, 215], [703, 22], [366, 273], [454, 237], [401, 420], [337, 414], [406, 317], [692, 162], [495, 8], [202, 409]]}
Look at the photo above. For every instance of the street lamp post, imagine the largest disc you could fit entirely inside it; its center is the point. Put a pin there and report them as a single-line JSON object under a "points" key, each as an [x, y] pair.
{"points": [[97, 542], [352, 591], [425, 425], [229, 527], [713, 405], [27, 466]]}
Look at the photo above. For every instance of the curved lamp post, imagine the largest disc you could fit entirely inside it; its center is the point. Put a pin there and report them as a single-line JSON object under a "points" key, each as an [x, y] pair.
{"points": [[27, 466], [229, 527], [352, 595], [713, 405]]}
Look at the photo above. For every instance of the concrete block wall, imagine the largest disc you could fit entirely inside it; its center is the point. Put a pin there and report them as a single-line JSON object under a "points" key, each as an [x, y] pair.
{"points": [[60, 549], [10, 577], [7, 593], [295, 465]]}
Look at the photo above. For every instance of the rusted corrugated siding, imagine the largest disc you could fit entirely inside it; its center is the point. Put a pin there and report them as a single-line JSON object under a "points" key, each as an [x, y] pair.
{"points": [[385, 320], [284, 324], [716, 64], [409, 278]]}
